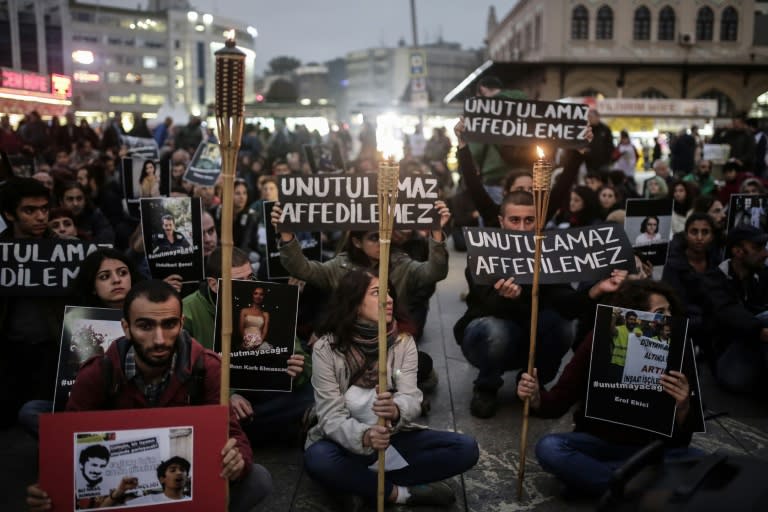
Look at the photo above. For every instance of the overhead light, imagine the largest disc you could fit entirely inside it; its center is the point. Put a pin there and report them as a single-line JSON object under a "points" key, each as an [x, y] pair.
{"points": [[192, 16], [207, 19], [200, 28], [229, 34], [252, 31], [322, 101], [305, 101], [83, 56]]}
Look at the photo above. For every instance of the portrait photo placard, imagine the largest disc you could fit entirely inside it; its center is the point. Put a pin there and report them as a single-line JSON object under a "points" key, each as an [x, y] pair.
{"points": [[144, 178], [41, 267], [164, 459], [311, 246], [141, 147], [525, 122], [350, 202], [748, 210], [263, 333], [324, 158], [648, 224], [86, 332], [205, 167], [577, 254], [631, 350], [173, 237]]}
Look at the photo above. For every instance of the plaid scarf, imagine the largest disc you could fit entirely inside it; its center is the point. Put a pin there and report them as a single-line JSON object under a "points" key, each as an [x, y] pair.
{"points": [[362, 355]]}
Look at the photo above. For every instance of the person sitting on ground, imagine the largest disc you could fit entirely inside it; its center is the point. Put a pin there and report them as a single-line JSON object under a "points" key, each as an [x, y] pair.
{"points": [[656, 188], [494, 331], [741, 347], [702, 177], [343, 444], [585, 459], [362, 251], [683, 195], [583, 210], [264, 415], [150, 362]]}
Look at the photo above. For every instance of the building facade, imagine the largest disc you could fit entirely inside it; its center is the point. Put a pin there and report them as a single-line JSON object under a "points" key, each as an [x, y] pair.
{"points": [[127, 60], [380, 78], [694, 49]]}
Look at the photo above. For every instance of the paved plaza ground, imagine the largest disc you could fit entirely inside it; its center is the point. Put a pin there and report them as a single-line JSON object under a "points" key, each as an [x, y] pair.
{"points": [[491, 485]]}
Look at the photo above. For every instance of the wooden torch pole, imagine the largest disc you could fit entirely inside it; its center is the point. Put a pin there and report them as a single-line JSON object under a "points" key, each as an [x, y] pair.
{"points": [[387, 191], [230, 81], [542, 174]]}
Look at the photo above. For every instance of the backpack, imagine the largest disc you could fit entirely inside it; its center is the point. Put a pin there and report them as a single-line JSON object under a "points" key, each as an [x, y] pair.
{"points": [[194, 383]]}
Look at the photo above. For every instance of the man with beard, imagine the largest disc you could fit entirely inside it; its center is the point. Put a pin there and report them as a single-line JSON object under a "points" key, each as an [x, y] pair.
{"points": [[170, 239], [157, 364]]}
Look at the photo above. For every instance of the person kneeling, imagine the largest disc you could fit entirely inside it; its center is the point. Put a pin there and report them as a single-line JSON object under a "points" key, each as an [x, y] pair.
{"points": [[343, 445]]}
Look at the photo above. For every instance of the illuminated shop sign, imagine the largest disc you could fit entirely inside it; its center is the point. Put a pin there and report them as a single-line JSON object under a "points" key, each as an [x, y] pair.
{"points": [[58, 85]]}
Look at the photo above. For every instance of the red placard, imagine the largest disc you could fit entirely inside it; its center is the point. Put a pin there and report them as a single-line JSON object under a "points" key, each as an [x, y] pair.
{"points": [[136, 439]]}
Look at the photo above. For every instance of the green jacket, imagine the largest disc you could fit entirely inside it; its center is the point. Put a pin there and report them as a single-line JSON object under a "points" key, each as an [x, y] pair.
{"points": [[406, 275], [199, 318]]}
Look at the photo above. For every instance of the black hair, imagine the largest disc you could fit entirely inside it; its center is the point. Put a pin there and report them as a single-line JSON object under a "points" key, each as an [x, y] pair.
{"points": [[634, 294], [644, 224], [490, 82], [691, 192], [163, 467], [17, 189], [95, 451], [144, 173], [168, 216], [83, 285], [517, 198], [355, 254], [153, 290], [341, 313], [213, 265], [512, 177], [700, 216], [591, 209], [702, 204], [630, 313]]}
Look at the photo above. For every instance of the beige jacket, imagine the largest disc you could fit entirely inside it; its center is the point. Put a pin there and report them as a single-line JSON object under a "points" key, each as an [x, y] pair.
{"points": [[330, 379]]}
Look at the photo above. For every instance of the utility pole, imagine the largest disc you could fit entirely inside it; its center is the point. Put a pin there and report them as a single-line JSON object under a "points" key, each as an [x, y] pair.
{"points": [[413, 24]]}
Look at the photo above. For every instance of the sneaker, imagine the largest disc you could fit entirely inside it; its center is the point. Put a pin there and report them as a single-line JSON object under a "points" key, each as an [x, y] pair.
{"points": [[430, 383], [436, 493], [483, 404]]}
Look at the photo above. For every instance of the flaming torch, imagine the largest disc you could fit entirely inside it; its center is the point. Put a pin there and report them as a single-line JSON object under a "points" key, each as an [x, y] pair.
{"points": [[389, 173], [542, 175], [230, 81]]}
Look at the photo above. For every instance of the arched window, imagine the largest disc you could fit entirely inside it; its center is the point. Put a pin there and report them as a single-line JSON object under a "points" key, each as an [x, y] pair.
{"points": [[642, 24], [729, 25], [667, 24], [705, 21], [580, 23], [725, 106], [652, 92], [604, 23]]}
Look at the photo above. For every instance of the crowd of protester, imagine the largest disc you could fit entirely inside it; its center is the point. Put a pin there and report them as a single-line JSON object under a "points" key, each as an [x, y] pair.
{"points": [[75, 192]]}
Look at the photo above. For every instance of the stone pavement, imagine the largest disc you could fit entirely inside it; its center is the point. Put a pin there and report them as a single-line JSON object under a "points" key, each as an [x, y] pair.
{"points": [[491, 485]]}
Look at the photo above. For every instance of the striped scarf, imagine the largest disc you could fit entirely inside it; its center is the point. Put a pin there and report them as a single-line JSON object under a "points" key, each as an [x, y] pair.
{"points": [[362, 355]]}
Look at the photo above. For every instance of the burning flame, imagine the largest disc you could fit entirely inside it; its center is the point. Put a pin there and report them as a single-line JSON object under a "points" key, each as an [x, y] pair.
{"points": [[229, 34], [540, 152]]}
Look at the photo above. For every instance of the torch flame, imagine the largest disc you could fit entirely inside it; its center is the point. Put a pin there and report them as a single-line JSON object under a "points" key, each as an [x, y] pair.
{"points": [[540, 152], [229, 34]]}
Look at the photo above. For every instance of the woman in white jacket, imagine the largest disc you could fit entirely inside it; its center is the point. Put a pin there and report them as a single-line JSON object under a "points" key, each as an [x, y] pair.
{"points": [[344, 443]]}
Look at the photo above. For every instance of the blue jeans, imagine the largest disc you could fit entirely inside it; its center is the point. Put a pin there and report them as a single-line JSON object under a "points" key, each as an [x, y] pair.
{"points": [[743, 366], [277, 415], [251, 490], [432, 455], [585, 463], [495, 345]]}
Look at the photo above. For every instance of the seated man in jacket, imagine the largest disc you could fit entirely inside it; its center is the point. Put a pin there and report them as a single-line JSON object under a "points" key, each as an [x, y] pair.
{"points": [[494, 331], [742, 364], [154, 366], [264, 415]]}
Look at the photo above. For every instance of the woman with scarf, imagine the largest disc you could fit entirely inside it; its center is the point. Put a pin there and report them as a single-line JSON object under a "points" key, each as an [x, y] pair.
{"points": [[345, 440]]}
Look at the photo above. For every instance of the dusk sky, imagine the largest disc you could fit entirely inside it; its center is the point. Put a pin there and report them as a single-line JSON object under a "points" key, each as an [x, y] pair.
{"points": [[313, 30]]}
